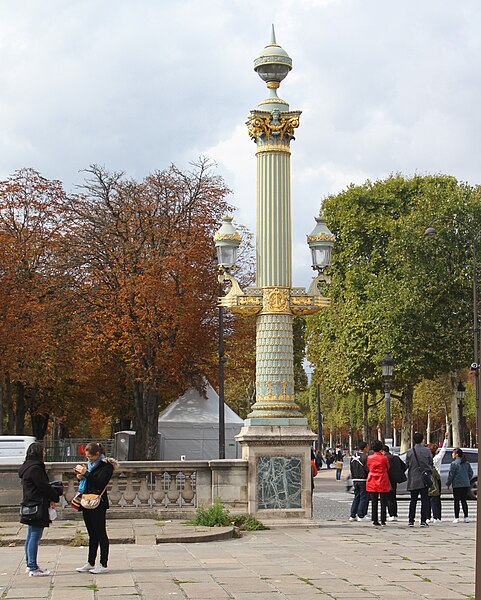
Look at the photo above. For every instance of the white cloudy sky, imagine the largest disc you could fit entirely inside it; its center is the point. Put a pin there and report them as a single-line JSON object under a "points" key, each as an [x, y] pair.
{"points": [[135, 85]]}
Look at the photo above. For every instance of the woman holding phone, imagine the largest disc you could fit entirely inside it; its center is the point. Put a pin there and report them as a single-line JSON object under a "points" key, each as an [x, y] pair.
{"points": [[94, 478]]}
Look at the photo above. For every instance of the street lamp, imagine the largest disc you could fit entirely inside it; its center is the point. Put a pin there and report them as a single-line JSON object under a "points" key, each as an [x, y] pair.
{"points": [[227, 242], [460, 395], [431, 232], [387, 368]]}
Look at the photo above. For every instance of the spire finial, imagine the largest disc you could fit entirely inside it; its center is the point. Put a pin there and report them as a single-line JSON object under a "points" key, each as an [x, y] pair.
{"points": [[273, 36]]}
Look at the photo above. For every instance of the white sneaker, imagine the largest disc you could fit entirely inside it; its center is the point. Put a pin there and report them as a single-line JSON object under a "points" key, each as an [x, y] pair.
{"points": [[430, 520], [455, 520], [466, 519], [39, 573], [27, 570], [99, 569], [366, 518], [391, 519], [352, 519], [437, 520], [85, 569]]}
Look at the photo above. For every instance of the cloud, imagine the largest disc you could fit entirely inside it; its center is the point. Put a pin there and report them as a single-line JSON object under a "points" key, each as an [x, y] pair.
{"points": [[383, 86]]}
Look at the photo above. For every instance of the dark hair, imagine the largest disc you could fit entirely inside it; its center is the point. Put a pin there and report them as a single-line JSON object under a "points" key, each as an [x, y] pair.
{"points": [[362, 446], [95, 448], [418, 437], [385, 448], [376, 446], [433, 448], [460, 454], [34, 452]]}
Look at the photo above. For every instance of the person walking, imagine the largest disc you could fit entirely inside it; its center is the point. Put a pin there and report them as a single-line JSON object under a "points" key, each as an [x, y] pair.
{"points": [[418, 459], [397, 474], [434, 491], [460, 475], [36, 491], [359, 472], [377, 483], [94, 479], [339, 462]]}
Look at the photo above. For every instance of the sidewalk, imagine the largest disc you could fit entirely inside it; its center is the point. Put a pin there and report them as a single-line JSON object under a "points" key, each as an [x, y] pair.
{"points": [[330, 560]]}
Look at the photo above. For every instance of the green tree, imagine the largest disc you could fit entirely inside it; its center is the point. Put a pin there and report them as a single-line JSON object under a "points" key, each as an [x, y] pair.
{"points": [[393, 289]]}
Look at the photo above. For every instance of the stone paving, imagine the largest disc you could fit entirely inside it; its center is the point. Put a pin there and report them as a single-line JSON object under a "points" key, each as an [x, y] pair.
{"points": [[331, 560]]}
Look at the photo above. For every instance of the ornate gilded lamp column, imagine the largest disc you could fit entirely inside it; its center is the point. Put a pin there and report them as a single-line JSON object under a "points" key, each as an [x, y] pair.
{"points": [[275, 438]]}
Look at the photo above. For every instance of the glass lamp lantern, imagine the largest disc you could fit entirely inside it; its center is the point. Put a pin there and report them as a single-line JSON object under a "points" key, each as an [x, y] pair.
{"points": [[321, 243], [227, 241], [387, 366], [460, 392]]}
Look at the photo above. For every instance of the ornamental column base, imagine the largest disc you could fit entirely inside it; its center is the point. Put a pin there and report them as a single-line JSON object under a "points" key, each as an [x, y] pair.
{"points": [[278, 452]]}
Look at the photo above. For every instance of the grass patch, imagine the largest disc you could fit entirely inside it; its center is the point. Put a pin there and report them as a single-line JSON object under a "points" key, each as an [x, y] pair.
{"points": [[305, 580], [93, 587], [218, 515], [79, 539], [247, 523]]}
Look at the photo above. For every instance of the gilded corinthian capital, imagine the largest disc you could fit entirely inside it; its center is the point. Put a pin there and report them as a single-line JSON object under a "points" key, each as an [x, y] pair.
{"points": [[275, 126]]}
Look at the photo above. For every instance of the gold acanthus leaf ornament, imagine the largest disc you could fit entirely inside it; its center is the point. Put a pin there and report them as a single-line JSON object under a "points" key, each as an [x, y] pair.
{"points": [[272, 124]]}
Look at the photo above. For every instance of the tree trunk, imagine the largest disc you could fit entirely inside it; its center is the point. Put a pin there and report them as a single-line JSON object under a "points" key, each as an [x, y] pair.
{"points": [[19, 408], [39, 425], [1, 407], [147, 421], [455, 412], [10, 411], [407, 417], [428, 427], [365, 417]]}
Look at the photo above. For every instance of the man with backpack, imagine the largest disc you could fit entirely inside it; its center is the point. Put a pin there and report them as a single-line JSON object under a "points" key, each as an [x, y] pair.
{"points": [[359, 472]]}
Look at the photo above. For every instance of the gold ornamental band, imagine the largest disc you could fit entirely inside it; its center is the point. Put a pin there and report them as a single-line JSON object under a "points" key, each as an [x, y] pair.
{"points": [[273, 148]]}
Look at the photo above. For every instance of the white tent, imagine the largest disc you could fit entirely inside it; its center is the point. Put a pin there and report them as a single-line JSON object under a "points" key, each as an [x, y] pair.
{"points": [[190, 427]]}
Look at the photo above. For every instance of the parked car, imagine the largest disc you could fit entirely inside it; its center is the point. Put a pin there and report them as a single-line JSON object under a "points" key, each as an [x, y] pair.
{"points": [[14, 447], [471, 455]]}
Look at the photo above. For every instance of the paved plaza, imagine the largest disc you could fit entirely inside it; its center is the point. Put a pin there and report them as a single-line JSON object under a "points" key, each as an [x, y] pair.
{"points": [[333, 559]]}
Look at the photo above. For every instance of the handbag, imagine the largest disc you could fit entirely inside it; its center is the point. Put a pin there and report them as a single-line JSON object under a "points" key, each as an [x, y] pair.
{"points": [[426, 474], [91, 501], [31, 512], [339, 464], [435, 489]]}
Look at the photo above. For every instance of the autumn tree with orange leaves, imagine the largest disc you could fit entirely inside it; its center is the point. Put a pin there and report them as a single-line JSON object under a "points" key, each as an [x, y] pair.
{"points": [[32, 299], [142, 262]]}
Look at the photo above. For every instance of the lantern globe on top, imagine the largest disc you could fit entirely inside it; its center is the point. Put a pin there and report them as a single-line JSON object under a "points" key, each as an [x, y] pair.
{"points": [[227, 241], [321, 242]]}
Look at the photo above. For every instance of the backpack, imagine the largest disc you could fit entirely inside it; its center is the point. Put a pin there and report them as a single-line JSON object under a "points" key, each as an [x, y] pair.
{"points": [[358, 469]]}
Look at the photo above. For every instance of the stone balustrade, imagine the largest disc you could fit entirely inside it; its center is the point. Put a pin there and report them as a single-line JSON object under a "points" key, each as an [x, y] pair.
{"points": [[146, 488]]}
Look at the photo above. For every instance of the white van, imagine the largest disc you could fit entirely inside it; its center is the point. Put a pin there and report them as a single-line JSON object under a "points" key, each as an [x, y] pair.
{"points": [[13, 448]]}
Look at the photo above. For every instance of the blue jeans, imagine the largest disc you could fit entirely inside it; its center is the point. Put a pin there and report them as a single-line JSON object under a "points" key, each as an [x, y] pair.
{"points": [[361, 500], [338, 474], [32, 543]]}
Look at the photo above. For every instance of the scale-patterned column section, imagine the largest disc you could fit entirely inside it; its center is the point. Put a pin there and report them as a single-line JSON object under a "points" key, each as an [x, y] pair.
{"points": [[274, 368], [274, 222]]}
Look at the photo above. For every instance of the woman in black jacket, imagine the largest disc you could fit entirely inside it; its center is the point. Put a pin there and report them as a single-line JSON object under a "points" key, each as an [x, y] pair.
{"points": [[94, 478], [36, 490]]}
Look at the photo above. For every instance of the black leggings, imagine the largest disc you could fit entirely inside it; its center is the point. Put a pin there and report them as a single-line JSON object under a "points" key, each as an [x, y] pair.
{"points": [[460, 496], [96, 526]]}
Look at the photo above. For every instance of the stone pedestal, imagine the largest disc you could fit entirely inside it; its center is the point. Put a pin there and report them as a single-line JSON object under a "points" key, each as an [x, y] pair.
{"points": [[278, 452]]}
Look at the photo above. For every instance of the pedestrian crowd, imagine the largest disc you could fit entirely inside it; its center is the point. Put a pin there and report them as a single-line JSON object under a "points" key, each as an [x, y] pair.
{"points": [[376, 474]]}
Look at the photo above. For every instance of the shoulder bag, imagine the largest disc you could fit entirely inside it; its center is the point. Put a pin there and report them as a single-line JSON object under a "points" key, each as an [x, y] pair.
{"points": [[31, 512], [426, 473], [90, 501]]}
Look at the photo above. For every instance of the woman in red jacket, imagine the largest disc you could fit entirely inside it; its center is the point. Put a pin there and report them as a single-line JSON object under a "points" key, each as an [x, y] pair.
{"points": [[377, 483]]}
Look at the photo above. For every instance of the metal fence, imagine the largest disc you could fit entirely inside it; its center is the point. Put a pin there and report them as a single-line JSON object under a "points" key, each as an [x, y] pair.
{"points": [[72, 449]]}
